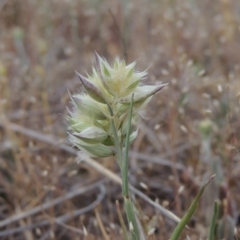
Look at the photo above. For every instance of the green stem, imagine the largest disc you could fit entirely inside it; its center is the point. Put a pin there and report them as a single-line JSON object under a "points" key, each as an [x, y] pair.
{"points": [[131, 216], [123, 163], [213, 222], [125, 188], [116, 140]]}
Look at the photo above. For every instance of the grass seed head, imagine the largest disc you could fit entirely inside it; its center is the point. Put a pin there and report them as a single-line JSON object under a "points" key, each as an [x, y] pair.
{"points": [[109, 86]]}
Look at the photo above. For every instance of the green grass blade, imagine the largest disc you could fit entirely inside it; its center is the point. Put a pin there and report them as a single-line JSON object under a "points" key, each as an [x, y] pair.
{"points": [[125, 187], [178, 230], [131, 218], [213, 222], [125, 159]]}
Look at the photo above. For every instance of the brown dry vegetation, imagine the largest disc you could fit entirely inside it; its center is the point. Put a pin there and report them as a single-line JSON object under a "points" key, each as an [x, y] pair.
{"points": [[193, 45]]}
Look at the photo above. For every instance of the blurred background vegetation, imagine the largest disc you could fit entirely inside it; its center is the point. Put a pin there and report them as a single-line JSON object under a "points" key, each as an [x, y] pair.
{"points": [[190, 131]]}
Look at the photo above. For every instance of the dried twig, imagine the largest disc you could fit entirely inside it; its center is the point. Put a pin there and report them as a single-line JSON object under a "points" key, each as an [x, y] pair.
{"points": [[61, 219], [157, 160], [101, 226], [73, 229], [49, 204]]}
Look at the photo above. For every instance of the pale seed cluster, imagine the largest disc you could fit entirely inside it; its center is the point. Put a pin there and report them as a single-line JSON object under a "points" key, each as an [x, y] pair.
{"points": [[108, 93]]}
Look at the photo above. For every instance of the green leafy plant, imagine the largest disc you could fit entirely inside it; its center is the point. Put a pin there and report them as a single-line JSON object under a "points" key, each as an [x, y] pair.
{"points": [[183, 223]]}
